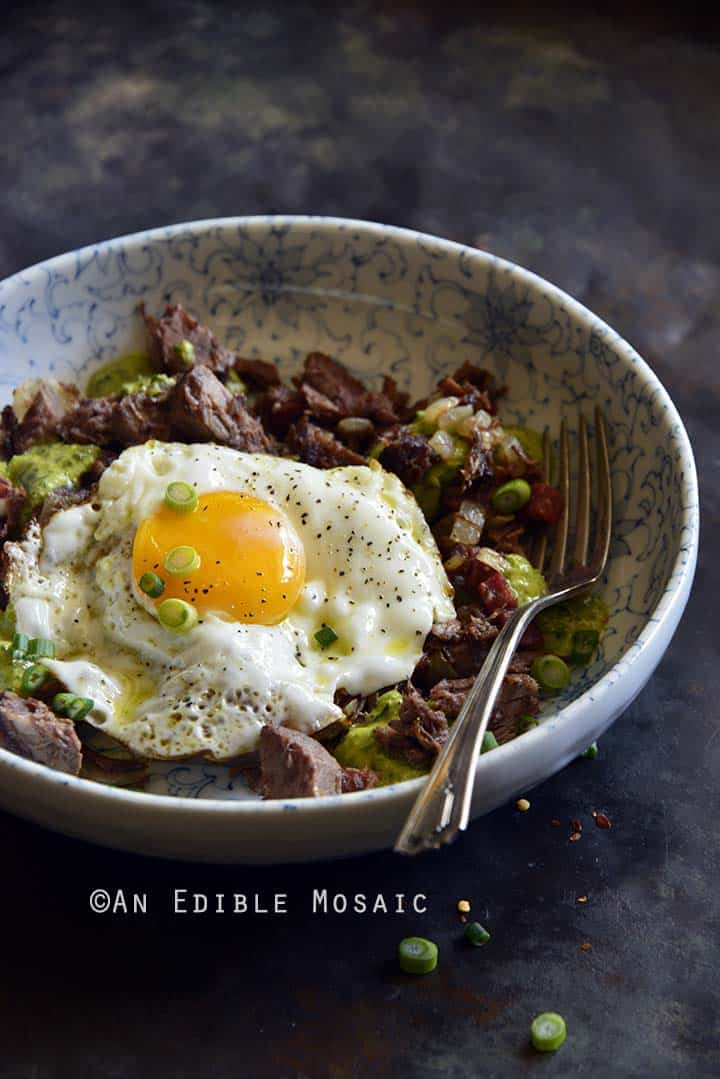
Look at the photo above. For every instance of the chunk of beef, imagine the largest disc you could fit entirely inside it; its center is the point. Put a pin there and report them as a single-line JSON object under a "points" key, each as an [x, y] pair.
{"points": [[358, 779], [346, 392], [418, 732], [201, 409], [138, 417], [8, 429], [457, 648], [11, 504], [176, 325], [51, 402], [29, 729], [505, 536], [258, 373], [518, 697], [91, 421], [318, 405], [280, 407], [408, 455], [320, 448], [294, 765], [449, 695]]}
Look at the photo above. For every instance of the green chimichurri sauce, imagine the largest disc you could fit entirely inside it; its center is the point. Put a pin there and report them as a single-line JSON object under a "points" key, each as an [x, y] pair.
{"points": [[127, 374], [360, 749]]}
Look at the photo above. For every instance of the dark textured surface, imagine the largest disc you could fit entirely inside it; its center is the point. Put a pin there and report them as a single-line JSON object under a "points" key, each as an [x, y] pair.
{"points": [[585, 148]]}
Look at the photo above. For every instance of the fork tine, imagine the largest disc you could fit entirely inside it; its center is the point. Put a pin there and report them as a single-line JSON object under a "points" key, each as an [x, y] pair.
{"points": [[603, 528], [582, 512], [540, 547], [557, 562]]}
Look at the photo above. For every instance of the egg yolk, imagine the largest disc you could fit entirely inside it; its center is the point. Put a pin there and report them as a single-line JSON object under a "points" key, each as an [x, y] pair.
{"points": [[252, 563]]}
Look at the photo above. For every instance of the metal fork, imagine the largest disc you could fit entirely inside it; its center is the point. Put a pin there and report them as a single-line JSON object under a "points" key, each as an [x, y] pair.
{"points": [[442, 808]]}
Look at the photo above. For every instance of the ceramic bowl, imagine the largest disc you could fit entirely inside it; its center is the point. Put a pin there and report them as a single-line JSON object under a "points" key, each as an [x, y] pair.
{"points": [[382, 300]]}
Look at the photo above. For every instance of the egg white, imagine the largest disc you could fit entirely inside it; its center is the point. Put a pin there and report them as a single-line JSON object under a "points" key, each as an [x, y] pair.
{"points": [[373, 573]]}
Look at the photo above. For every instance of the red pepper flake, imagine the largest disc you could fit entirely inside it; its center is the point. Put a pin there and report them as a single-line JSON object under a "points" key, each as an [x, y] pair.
{"points": [[602, 820], [576, 825], [555, 822], [586, 946], [575, 836]]}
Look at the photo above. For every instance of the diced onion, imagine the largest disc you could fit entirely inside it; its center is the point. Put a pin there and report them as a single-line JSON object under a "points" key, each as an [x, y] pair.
{"points": [[443, 444], [449, 420], [492, 558], [355, 425], [435, 410], [472, 511], [464, 531]]}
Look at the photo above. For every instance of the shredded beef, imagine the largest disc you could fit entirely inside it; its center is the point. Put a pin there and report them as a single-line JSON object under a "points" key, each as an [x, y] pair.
{"points": [[280, 407], [482, 380], [320, 448], [43, 415], [174, 326], [346, 392], [62, 498], [257, 372], [294, 765], [409, 456], [201, 409], [319, 406], [518, 697], [11, 504], [479, 465], [29, 729], [418, 732], [505, 537], [467, 394]]}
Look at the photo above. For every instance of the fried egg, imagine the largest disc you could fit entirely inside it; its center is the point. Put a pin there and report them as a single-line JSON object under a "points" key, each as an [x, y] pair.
{"points": [[304, 582]]}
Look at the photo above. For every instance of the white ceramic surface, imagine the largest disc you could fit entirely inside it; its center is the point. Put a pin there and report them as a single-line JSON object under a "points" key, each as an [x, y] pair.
{"points": [[381, 300]]}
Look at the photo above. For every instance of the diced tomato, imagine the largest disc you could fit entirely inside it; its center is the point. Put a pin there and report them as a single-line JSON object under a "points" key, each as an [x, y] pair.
{"points": [[545, 505], [495, 593]]}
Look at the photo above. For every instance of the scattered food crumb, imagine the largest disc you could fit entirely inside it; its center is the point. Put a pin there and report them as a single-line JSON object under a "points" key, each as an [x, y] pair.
{"points": [[582, 899], [586, 946], [522, 804], [576, 825], [555, 822], [463, 906], [575, 836], [602, 820], [476, 934]]}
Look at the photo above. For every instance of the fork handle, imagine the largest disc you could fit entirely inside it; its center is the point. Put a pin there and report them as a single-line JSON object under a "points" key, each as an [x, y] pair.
{"points": [[442, 808]]}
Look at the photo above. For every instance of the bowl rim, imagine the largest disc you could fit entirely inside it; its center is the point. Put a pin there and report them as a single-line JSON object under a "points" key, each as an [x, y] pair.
{"points": [[674, 593]]}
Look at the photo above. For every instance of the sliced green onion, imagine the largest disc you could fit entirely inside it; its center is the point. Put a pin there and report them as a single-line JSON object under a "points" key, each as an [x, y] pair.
{"points": [[182, 560], [326, 636], [591, 752], [511, 497], [151, 584], [41, 647], [181, 497], [177, 615], [72, 706], [477, 934], [417, 955], [551, 672], [489, 742], [20, 644], [548, 1031], [34, 677], [185, 352], [584, 643]]}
